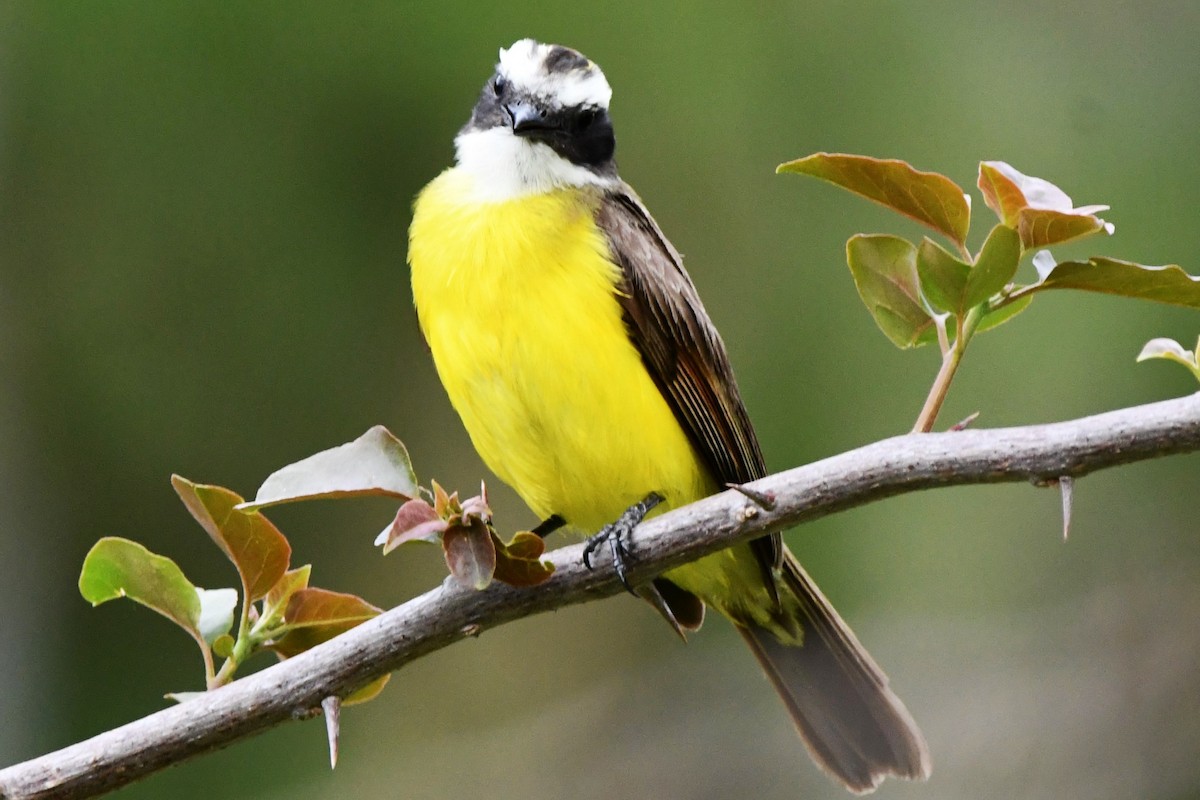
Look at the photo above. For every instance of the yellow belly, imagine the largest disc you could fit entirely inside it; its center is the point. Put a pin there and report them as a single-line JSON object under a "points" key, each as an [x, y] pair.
{"points": [[517, 301]]}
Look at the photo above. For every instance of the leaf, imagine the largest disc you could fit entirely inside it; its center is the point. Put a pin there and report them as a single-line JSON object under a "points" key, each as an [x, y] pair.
{"points": [[518, 563], [994, 267], [1040, 227], [222, 646], [1040, 211], [417, 521], [116, 567], [1171, 350], [324, 607], [314, 616], [885, 271], [255, 546], [368, 692], [375, 463], [288, 584], [216, 612], [1168, 349], [470, 554], [943, 277], [1166, 284], [927, 197], [1003, 314]]}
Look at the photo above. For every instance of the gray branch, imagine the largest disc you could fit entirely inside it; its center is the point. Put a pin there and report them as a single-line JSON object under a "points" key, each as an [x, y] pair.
{"points": [[294, 689]]}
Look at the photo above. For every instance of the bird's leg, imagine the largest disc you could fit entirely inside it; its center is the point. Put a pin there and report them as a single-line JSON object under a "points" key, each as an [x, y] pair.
{"points": [[549, 525], [617, 532]]}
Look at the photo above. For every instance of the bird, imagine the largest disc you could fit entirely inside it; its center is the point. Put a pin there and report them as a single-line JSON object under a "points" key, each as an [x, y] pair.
{"points": [[577, 353]]}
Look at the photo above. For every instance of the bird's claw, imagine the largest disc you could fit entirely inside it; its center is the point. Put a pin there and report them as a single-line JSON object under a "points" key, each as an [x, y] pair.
{"points": [[616, 535]]}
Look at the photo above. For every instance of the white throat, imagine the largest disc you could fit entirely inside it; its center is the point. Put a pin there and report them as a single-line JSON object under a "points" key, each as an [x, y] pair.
{"points": [[506, 166]]}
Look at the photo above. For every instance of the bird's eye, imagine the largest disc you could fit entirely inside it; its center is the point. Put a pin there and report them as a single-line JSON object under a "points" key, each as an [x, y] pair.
{"points": [[498, 86]]}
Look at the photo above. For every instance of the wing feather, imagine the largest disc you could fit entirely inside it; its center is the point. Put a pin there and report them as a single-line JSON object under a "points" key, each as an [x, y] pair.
{"points": [[682, 350]]}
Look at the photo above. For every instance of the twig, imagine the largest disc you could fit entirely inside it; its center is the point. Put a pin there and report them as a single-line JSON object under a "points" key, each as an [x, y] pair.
{"points": [[296, 688]]}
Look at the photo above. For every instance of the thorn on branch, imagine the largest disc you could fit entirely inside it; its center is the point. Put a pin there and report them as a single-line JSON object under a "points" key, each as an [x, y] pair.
{"points": [[1066, 484], [765, 500], [963, 424], [332, 706]]}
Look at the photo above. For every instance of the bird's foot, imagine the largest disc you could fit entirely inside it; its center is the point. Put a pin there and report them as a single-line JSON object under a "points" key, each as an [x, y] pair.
{"points": [[616, 535]]}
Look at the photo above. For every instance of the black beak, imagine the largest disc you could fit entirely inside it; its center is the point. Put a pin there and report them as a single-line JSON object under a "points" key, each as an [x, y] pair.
{"points": [[528, 119]]}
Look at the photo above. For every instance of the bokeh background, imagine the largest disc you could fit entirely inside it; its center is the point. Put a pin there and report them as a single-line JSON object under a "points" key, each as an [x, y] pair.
{"points": [[203, 211]]}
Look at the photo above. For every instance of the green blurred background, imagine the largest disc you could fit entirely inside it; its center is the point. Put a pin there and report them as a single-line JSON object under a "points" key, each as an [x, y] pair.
{"points": [[202, 235]]}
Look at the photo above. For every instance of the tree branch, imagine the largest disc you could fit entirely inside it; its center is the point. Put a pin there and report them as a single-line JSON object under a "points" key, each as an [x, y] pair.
{"points": [[295, 688]]}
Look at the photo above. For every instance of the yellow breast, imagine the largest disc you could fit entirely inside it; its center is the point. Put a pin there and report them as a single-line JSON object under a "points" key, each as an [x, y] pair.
{"points": [[517, 301]]}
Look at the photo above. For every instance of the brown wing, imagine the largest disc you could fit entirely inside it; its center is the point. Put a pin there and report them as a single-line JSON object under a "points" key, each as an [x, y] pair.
{"points": [[682, 349]]}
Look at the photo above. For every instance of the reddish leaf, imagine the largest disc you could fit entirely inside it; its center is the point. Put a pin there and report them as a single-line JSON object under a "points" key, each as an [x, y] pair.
{"points": [[416, 521], [324, 607], [255, 546], [927, 197], [1041, 227], [525, 544], [375, 463], [470, 554], [518, 562], [1040, 211], [317, 615]]}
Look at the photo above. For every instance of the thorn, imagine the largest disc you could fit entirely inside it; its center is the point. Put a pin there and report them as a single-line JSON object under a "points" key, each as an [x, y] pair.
{"points": [[965, 423], [765, 500], [332, 706], [1066, 485]]}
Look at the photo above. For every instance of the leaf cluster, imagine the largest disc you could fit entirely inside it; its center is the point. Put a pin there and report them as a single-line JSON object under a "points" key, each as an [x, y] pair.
{"points": [[922, 292], [280, 612]]}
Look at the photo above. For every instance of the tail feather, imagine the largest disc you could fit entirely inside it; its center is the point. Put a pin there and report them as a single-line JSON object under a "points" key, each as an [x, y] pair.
{"points": [[854, 725]]}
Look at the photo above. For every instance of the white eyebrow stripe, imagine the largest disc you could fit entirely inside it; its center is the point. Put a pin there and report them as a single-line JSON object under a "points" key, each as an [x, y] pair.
{"points": [[523, 66]]}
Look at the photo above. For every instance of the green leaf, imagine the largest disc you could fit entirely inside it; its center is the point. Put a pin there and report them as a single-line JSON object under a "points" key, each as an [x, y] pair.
{"points": [[255, 546], [518, 563], [927, 197], [885, 271], [375, 463], [994, 267], [216, 612], [368, 692], [470, 554], [276, 601], [1003, 314], [1171, 350], [1040, 211], [314, 616], [116, 567], [1166, 284], [222, 646], [943, 277]]}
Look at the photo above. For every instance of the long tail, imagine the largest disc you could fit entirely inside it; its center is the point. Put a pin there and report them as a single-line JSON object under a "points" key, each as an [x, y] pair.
{"points": [[854, 726]]}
